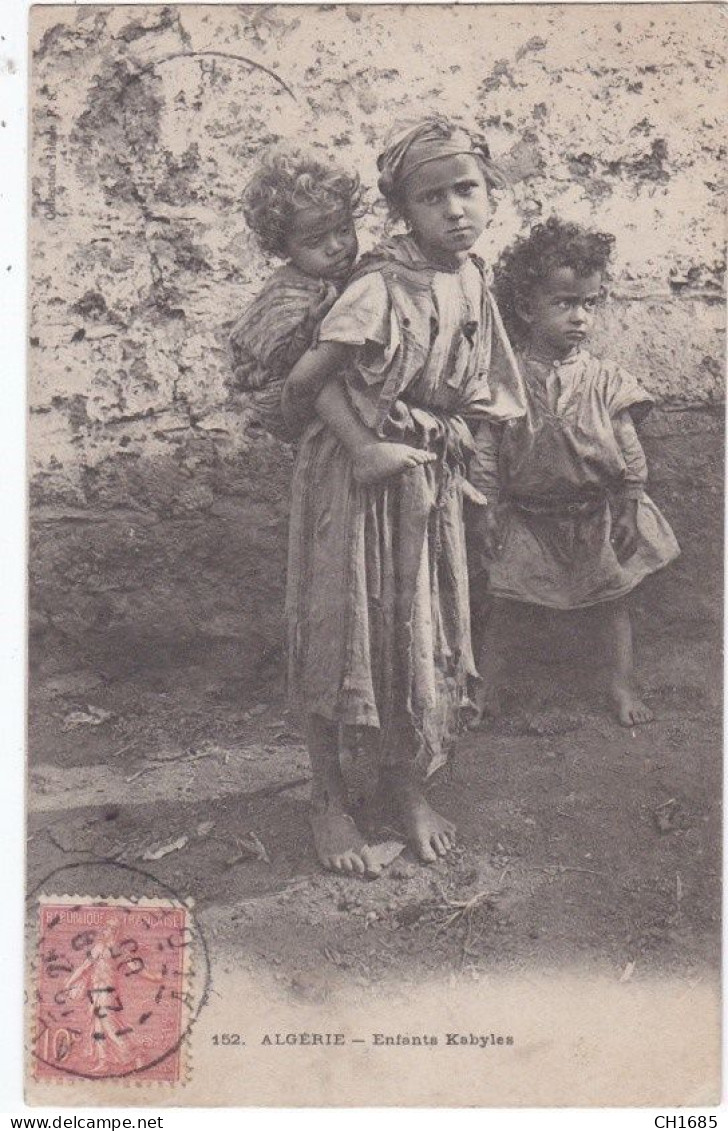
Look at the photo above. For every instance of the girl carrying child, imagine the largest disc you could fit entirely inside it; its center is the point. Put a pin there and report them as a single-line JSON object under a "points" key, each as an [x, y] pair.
{"points": [[409, 361], [568, 525]]}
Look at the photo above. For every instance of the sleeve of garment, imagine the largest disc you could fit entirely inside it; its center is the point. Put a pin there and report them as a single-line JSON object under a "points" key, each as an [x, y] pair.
{"points": [[623, 391], [507, 391], [360, 315], [635, 476], [483, 468]]}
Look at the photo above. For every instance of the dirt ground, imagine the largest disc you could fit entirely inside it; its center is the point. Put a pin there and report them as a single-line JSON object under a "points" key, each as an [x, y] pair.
{"points": [[580, 843]]}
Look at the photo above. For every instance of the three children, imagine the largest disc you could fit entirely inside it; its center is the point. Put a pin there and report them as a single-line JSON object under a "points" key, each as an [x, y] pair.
{"points": [[400, 379]]}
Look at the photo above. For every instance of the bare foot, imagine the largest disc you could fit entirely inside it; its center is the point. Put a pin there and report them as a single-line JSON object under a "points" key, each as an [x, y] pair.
{"points": [[383, 459], [339, 844], [429, 833], [630, 710], [487, 702]]}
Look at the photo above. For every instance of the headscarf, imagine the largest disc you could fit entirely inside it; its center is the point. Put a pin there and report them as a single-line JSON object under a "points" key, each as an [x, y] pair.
{"points": [[411, 145]]}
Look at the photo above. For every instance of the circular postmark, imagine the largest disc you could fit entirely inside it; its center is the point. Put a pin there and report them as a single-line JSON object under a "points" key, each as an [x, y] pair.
{"points": [[120, 974]]}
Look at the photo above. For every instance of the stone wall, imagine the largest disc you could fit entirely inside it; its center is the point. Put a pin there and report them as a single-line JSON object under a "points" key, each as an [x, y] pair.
{"points": [[158, 513]]}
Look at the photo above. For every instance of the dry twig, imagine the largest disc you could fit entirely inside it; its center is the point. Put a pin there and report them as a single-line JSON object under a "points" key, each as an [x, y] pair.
{"points": [[464, 911]]}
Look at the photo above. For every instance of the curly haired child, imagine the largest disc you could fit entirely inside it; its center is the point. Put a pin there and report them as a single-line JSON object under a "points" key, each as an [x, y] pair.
{"points": [[569, 525], [411, 358], [301, 210]]}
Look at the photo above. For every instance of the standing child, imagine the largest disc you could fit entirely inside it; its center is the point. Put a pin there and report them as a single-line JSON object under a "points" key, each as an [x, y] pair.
{"points": [[303, 211], [377, 602], [569, 525]]}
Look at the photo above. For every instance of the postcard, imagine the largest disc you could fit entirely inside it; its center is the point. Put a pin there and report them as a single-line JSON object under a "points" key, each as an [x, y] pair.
{"points": [[376, 394]]}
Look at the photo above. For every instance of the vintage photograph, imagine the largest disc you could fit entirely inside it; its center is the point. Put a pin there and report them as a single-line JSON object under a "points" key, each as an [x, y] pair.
{"points": [[376, 413]]}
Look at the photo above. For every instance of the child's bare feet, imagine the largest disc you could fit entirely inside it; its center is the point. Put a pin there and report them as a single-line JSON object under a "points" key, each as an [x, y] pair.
{"points": [[429, 834], [383, 459], [629, 708], [339, 845], [486, 702], [615, 627]]}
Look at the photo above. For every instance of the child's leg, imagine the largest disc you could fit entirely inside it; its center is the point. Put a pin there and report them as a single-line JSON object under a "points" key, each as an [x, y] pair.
{"points": [[615, 630], [339, 844], [491, 663], [430, 835]]}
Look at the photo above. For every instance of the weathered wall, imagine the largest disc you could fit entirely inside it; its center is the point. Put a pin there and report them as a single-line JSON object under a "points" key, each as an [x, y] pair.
{"points": [[158, 515]]}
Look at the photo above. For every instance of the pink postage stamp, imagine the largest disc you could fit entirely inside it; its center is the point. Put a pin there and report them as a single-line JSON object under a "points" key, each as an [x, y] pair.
{"points": [[111, 986]]}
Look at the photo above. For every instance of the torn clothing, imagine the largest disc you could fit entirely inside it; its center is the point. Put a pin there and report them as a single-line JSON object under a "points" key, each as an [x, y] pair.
{"points": [[562, 472], [272, 334], [377, 602]]}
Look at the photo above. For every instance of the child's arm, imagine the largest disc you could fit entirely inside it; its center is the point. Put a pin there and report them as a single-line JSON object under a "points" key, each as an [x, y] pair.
{"points": [[635, 477], [373, 459], [308, 377], [625, 536], [313, 380]]}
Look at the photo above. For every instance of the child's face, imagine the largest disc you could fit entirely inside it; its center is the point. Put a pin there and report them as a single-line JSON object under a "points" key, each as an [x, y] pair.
{"points": [[323, 243], [560, 311], [447, 206]]}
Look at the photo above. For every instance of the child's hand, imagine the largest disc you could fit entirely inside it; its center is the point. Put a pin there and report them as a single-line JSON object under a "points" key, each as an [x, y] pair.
{"points": [[381, 460], [326, 299], [625, 536]]}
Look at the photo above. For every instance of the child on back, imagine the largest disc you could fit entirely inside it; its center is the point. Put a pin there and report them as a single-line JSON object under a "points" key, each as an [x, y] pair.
{"points": [[302, 210], [409, 360], [568, 525]]}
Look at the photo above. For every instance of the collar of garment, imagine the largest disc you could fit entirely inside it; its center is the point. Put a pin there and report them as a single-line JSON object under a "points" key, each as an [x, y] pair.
{"points": [[403, 250], [577, 354]]}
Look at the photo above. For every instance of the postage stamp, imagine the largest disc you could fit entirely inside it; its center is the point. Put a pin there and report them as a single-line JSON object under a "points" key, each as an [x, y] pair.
{"points": [[111, 986]]}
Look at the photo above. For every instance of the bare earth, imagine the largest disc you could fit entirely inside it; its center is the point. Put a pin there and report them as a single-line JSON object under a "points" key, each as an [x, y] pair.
{"points": [[579, 842]]}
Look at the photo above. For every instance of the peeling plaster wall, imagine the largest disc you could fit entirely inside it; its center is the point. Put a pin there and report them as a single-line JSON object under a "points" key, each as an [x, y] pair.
{"points": [[159, 515]]}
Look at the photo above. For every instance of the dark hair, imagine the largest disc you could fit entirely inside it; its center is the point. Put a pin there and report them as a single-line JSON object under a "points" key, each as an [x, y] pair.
{"points": [[287, 181], [529, 261], [393, 190]]}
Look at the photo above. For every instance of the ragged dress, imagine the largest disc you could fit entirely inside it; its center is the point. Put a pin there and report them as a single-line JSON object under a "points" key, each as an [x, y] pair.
{"points": [[561, 472], [377, 601], [272, 334]]}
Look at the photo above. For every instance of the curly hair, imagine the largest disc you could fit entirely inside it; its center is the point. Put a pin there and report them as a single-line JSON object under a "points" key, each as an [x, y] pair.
{"points": [[529, 261], [287, 181], [391, 182]]}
